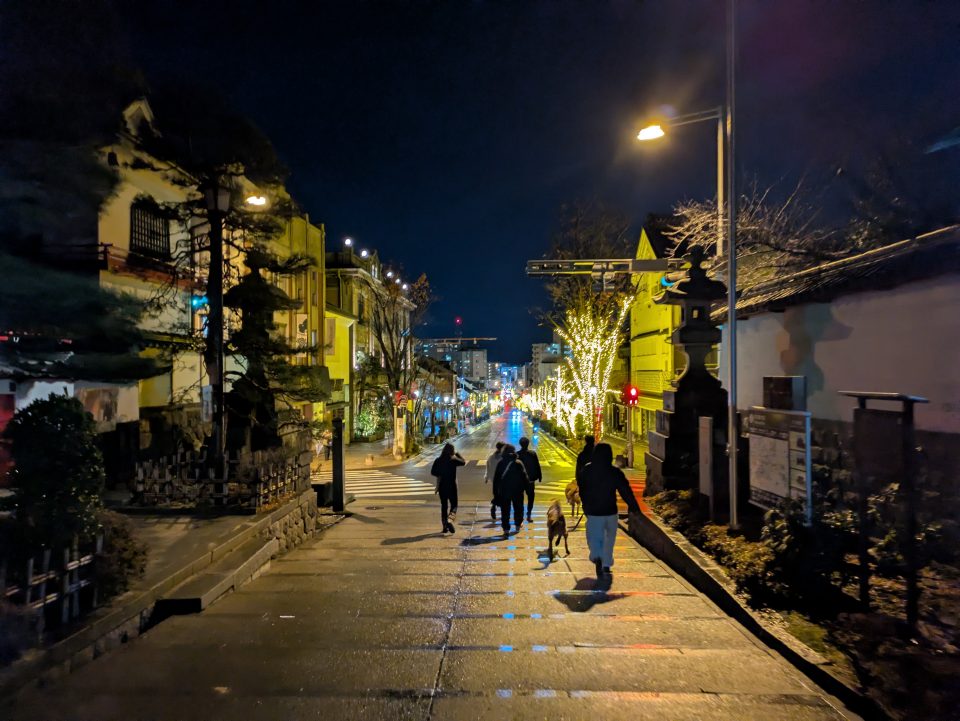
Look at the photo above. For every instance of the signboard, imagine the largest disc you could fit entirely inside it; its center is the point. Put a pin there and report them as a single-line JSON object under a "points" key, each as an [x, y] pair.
{"points": [[206, 404], [779, 456]]}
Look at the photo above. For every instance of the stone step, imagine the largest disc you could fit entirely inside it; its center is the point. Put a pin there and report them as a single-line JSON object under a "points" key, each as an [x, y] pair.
{"points": [[230, 572]]}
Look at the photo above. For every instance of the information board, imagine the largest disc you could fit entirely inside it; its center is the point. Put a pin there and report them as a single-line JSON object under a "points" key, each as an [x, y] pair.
{"points": [[779, 456]]}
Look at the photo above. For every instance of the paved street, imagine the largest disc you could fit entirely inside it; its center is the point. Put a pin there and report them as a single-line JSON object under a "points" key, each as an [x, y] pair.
{"points": [[386, 618]]}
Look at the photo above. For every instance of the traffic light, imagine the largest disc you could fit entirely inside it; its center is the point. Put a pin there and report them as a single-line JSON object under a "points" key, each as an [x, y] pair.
{"points": [[629, 395]]}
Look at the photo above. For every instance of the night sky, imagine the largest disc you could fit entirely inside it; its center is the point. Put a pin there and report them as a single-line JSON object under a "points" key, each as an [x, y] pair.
{"points": [[447, 134]]}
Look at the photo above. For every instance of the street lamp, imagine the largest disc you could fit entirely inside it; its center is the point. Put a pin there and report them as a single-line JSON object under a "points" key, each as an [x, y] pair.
{"points": [[726, 170], [218, 203], [656, 131]]}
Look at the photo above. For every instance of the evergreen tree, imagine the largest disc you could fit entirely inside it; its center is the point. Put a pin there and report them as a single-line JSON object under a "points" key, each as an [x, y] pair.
{"points": [[269, 378]]}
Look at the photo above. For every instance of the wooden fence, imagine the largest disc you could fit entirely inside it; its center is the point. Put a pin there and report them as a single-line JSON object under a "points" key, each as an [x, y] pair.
{"points": [[254, 482], [56, 586]]}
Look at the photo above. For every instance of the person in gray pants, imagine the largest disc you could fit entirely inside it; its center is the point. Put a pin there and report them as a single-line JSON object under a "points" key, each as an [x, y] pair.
{"points": [[600, 482]]}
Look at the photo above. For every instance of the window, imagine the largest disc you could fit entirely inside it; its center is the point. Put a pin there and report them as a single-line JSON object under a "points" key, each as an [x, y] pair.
{"points": [[149, 230]]}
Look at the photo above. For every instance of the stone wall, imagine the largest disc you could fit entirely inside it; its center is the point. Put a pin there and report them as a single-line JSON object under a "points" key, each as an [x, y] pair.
{"points": [[296, 525]]}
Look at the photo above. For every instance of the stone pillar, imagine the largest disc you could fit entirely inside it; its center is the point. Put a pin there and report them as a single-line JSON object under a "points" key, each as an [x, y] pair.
{"points": [[673, 459]]}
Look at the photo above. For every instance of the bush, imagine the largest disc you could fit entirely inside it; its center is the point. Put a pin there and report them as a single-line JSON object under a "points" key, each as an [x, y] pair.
{"points": [[751, 565], [124, 557], [58, 471]]}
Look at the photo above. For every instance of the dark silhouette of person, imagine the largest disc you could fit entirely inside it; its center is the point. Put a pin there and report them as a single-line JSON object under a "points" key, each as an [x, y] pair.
{"points": [[510, 480], [445, 469], [531, 463], [583, 458]]}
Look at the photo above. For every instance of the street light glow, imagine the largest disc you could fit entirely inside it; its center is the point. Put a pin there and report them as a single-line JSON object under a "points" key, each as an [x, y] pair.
{"points": [[389, 273], [406, 287], [257, 200], [651, 132], [364, 253], [348, 242]]}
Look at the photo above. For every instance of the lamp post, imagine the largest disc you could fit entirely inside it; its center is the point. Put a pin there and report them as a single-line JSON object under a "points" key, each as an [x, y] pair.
{"points": [[656, 130], [218, 203], [726, 186]]}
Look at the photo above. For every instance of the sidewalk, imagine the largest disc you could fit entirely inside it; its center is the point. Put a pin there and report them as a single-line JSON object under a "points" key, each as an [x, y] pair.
{"points": [[179, 548], [386, 618]]}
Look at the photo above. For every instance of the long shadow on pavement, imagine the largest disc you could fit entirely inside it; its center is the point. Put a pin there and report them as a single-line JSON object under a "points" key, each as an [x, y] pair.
{"points": [[366, 519], [411, 539], [484, 540], [586, 594]]}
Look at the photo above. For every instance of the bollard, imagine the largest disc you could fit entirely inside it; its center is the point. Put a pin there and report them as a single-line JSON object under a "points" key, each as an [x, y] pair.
{"points": [[338, 473]]}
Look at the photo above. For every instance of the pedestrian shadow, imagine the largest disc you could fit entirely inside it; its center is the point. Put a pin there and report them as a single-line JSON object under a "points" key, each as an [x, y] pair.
{"points": [[411, 539], [544, 558], [484, 540], [366, 519], [586, 594]]}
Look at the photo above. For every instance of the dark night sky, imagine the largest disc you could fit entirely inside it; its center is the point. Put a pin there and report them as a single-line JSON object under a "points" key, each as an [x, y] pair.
{"points": [[447, 134]]}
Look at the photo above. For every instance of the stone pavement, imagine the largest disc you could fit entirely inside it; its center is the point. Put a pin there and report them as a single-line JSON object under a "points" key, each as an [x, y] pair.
{"points": [[383, 617]]}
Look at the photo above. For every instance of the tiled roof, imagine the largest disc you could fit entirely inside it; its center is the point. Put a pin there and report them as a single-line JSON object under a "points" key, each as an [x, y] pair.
{"points": [[915, 259]]}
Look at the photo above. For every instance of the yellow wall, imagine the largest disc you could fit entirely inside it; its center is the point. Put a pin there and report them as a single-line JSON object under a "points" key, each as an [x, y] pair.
{"points": [[654, 362]]}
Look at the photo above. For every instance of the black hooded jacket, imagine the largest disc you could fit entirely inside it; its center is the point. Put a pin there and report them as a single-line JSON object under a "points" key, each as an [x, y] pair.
{"points": [[511, 477], [601, 481]]}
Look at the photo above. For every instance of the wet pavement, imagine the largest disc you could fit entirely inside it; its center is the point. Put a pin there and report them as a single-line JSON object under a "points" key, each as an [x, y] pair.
{"points": [[384, 617]]}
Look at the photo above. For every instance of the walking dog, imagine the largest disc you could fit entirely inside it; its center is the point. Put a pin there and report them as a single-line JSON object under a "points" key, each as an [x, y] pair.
{"points": [[572, 492], [556, 528]]}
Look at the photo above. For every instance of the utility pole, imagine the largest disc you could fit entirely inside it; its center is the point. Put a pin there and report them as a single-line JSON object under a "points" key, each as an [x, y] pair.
{"points": [[218, 202]]}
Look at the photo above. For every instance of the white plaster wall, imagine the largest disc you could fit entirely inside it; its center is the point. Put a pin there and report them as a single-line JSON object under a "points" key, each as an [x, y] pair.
{"points": [[904, 340], [30, 391]]}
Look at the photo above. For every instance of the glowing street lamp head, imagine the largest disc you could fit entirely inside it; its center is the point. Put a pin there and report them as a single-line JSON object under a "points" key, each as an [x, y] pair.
{"points": [[257, 201], [348, 242], [651, 132], [364, 253], [389, 273], [405, 286]]}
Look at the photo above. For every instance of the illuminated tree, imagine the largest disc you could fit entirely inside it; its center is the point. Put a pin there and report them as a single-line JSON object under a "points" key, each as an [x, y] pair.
{"points": [[594, 334], [589, 317]]}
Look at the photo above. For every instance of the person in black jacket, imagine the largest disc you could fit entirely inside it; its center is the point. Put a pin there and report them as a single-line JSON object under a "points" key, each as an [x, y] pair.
{"points": [[531, 463], [600, 482], [510, 480], [445, 469], [583, 458]]}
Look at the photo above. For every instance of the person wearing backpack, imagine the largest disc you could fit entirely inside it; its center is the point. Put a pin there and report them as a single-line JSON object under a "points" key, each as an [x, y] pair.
{"points": [[510, 480], [531, 463]]}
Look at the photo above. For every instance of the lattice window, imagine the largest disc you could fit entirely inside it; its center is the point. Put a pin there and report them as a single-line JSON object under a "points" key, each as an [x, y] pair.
{"points": [[149, 230]]}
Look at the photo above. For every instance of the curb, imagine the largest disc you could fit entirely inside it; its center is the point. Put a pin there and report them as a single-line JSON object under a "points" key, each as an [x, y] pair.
{"points": [[115, 625], [709, 578]]}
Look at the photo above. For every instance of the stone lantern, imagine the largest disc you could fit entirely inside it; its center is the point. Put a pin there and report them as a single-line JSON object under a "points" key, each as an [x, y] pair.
{"points": [[673, 459]]}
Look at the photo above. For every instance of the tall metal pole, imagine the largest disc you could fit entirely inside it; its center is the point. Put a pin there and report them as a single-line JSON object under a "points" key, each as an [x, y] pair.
{"points": [[732, 430], [721, 181], [215, 333]]}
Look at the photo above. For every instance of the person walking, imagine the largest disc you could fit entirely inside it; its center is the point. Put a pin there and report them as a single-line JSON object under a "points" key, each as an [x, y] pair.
{"points": [[510, 480], [600, 482], [534, 475], [583, 458], [492, 462], [445, 469]]}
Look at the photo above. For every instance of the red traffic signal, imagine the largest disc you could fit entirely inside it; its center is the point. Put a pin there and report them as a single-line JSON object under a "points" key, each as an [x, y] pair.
{"points": [[630, 395]]}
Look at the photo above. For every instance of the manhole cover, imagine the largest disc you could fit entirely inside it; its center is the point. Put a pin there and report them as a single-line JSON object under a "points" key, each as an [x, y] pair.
{"points": [[374, 508]]}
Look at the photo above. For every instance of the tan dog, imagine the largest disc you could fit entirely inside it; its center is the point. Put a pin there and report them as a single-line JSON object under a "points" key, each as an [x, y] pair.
{"points": [[556, 528], [572, 492]]}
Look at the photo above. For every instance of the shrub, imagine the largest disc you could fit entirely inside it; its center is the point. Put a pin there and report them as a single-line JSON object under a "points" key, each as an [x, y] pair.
{"points": [[750, 564], [58, 471], [124, 557]]}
